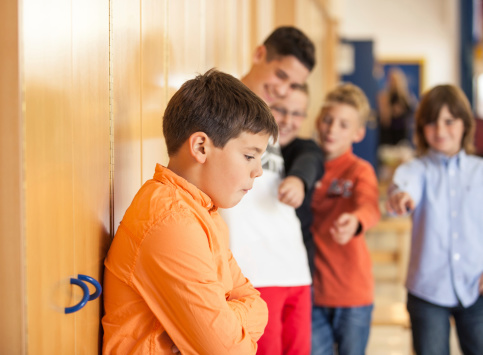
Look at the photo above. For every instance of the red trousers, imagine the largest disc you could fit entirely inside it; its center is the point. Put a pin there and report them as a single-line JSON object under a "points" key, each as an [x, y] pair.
{"points": [[289, 327]]}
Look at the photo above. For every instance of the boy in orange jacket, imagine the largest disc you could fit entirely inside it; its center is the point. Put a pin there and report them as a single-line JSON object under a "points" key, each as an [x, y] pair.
{"points": [[345, 205], [171, 281]]}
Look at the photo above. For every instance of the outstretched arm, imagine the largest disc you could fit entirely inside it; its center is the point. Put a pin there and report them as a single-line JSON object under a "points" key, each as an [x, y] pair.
{"points": [[407, 187], [399, 202], [344, 228], [366, 198], [292, 191], [304, 167]]}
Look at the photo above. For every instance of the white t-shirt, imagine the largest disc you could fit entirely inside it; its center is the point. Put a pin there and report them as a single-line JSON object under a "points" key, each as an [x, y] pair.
{"points": [[265, 234]]}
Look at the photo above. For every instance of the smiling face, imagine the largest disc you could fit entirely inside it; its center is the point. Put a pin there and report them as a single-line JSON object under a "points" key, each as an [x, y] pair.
{"points": [[339, 125], [229, 172], [445, 134], [273, 80], [289, 114]]}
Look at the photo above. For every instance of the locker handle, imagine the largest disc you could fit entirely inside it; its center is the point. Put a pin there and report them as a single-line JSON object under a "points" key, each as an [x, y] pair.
{"points": [[93, 282], [85, 298]]}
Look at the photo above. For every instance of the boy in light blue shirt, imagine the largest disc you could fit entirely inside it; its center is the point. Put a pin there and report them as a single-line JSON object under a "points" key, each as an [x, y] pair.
{"points": [[443, 189]]}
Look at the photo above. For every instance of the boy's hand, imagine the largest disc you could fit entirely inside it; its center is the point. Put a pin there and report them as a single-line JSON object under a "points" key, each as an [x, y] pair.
{"points": [[291, 191], [481, 284], [399, 203], [344, 228]]}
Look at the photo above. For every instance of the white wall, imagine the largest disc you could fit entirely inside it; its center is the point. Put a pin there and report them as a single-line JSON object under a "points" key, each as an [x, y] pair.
{"points": [[408, 29]]}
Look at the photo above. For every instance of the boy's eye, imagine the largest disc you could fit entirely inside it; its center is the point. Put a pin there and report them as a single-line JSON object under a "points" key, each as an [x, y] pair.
{"points": [[297, 114], [281, 74], [249, 157], [282, 111], [449, 122]]}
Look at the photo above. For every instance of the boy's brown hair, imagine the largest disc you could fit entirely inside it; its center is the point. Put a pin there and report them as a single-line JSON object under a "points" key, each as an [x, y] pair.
{"points": [[351, 95], [219, 105], [430, 107], [288, 40]]}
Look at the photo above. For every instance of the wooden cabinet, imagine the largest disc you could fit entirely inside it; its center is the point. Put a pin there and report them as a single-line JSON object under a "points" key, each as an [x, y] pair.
{"points": [[66, 167], [59, 203]]}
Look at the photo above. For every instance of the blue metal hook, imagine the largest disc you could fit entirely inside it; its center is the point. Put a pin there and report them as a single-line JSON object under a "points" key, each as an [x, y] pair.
{"points": [[93, 282], [84, 300]]}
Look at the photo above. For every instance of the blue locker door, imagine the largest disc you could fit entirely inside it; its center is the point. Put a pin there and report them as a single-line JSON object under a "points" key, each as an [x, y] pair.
{"points": [[363, 77]]}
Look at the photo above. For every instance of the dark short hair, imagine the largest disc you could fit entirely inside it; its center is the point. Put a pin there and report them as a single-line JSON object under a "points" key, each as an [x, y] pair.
{"points": [[288, 40], [219, 105], [430, 107]]}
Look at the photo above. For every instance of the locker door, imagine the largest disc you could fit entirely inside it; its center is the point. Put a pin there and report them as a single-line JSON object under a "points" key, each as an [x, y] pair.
{"points": [[364, 78], [66, 164]]}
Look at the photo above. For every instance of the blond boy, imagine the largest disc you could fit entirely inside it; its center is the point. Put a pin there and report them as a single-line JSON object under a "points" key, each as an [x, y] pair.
{"points": [[345, 205]]}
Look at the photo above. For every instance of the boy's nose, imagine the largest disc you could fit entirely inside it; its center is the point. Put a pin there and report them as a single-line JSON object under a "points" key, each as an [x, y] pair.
{"points": [[258, 171], [287, 118], [440, 127], [282, 90]]}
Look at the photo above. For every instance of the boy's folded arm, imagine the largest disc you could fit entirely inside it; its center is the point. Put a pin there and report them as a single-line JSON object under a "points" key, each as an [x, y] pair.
{"points": [[176, 274], [246, 302]]}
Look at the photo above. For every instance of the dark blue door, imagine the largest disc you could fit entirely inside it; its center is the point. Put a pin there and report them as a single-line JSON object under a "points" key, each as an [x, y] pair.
{"points": [[363, 76]]}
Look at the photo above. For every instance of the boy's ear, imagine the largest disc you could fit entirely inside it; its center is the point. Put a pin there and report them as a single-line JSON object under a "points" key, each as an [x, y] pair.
{"points": [[260, 54], [198, 142], [360, 134]]}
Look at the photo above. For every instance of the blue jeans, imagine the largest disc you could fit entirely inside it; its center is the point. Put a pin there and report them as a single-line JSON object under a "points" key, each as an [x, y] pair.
{"points": [[344, 329], [431, 327]]}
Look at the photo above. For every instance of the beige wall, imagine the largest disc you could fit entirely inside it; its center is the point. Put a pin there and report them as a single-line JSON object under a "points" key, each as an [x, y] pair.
{"points": [[411, 29]]}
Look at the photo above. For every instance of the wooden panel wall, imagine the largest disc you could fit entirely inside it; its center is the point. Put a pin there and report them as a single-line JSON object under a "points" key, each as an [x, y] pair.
{"points": [[12, 325], [49, 174], [157, 46], [66, 69], [126, 90], [154, 56], [312, 17], [90, 156]]}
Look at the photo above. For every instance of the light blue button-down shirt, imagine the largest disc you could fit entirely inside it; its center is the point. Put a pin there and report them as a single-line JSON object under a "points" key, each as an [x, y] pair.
{"points": [[446, 259]]}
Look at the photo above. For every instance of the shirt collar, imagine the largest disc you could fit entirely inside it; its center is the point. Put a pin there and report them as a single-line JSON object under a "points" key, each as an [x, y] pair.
{"points": [[457, 160], [164, 174], [341, 159]]}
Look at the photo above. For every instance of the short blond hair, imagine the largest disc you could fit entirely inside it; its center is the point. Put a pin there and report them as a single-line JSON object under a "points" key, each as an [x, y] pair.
{"points": [[349, 94]]}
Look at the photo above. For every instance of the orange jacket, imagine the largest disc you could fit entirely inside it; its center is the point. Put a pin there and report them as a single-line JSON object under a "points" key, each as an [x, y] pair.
{"points": [[343, 273], [170, 278]]}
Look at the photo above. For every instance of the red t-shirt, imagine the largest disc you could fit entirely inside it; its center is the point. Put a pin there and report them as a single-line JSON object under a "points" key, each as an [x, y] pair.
{"points": [[343, 273]]}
